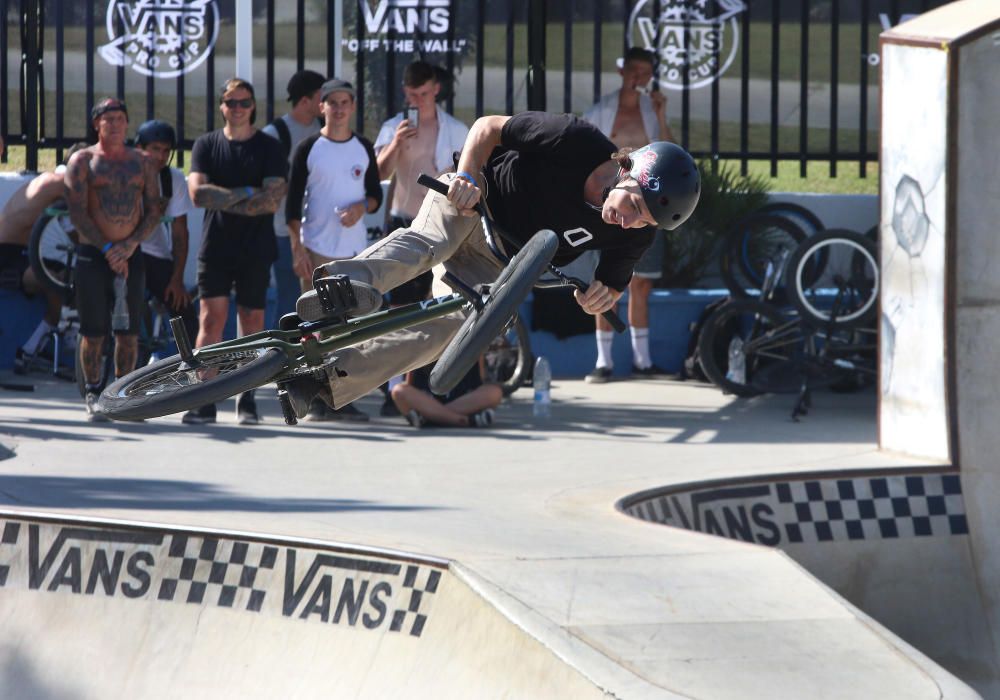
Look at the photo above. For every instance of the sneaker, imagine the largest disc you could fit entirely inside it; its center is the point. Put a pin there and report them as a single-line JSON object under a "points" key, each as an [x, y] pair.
{"points": [[21, 361], [368, 300], [651, 372], [94, 413], [304, 392], [347, 413], [482, 419], [415, 419], [246, 409], [200, 416], [600, 375]]}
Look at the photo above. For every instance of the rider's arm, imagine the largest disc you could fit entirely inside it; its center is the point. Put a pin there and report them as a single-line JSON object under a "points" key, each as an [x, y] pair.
{"points": [[77, 187], [483, 137]]}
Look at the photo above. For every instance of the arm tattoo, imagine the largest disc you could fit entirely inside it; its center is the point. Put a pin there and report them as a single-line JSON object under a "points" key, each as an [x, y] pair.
{"points": [[209, 196], [153, 204], [265, 201]]}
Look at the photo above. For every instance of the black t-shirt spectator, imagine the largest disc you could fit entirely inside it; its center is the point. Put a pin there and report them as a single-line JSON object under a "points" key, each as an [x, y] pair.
{"points": [[238, 164], [535, 179]]}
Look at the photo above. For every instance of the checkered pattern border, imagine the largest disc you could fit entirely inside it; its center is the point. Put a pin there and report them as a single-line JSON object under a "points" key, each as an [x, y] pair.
{"points": [[224, 570], [824, 510], [429, 586]]}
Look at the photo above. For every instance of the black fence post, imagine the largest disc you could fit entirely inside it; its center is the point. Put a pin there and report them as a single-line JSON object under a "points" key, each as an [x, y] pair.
{"points": [[29, 64], [536, 55]]}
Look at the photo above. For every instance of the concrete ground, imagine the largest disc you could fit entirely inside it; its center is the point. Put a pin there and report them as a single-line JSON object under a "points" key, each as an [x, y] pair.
{"points": [[525, 515]]}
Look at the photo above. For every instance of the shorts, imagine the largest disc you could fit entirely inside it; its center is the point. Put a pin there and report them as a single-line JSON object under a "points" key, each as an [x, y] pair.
{"points": [[217, 278], [13, 263], [95, 292], [650, 265]]}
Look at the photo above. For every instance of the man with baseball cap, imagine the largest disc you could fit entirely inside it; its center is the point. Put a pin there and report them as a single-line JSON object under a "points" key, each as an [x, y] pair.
{"points": [[114, 203], [333, 183], [302, 120]]}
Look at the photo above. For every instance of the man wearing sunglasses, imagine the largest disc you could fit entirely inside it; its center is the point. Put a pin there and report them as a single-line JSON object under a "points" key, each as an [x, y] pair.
{"points": [[238, 177]]}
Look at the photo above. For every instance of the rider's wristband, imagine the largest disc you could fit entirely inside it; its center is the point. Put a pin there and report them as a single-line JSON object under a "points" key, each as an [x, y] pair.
{"points": [[466, 176], [106, 247]]}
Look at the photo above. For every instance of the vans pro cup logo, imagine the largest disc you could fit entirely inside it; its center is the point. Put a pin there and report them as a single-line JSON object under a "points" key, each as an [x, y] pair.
{"points": [[162, 38], [712, 38]]}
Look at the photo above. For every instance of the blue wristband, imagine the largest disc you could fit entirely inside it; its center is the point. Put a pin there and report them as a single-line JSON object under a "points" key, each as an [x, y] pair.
{"points": [[106, 247], [465, 176], [249, 191]]}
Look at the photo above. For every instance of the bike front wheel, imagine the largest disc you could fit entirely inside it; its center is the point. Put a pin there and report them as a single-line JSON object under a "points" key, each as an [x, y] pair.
{"points": [[171, 385], [483, 325]]}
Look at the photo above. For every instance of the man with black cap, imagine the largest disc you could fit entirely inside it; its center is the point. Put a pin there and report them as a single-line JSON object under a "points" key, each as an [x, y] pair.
{"points": [[333, 184], [113, 194], [300, 121]]}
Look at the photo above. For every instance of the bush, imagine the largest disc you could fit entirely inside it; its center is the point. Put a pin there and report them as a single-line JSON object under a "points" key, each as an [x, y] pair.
{"points": [[726, 197]]}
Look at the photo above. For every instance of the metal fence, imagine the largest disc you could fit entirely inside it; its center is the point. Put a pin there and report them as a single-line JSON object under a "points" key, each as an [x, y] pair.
{"points": [[745, 79]]}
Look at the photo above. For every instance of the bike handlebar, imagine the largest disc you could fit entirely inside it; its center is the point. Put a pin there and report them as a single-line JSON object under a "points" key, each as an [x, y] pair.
{"points": [[441, 188]]}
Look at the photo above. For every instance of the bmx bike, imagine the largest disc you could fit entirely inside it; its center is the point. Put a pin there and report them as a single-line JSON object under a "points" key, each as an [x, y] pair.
{"points": [[299, 348]]}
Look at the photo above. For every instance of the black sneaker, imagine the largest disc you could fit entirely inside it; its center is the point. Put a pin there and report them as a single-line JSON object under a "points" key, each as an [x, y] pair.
{"points": [[482, 419], [246, 409], [21, 361], [200, 416], [303, 393], [651, 372], [600, 375], [347, 413], [368, 300]]}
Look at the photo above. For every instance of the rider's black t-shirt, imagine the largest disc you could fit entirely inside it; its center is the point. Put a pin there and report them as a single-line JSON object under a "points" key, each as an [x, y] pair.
{"points": [[535, 179], [238, 164]]}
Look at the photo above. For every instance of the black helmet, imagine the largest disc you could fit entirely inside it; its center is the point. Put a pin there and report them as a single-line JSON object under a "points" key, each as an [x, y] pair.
{"points": [[155, 131], [669, 180]]}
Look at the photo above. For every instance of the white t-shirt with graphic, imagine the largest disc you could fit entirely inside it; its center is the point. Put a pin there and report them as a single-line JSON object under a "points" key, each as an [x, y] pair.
{"points": [[160, 243]]}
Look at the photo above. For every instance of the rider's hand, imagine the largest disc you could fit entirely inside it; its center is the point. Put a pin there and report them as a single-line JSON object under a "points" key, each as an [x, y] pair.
{"points": [[176, 295], [597, 299], [464, 195]]}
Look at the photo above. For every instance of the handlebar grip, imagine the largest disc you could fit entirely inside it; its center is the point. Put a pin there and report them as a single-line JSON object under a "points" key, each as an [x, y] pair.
{"points": [[432, 183], [615, 320]]}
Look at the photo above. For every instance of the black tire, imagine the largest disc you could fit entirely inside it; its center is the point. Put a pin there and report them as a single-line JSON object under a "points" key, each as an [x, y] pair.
{"points": [[508, 357], [51, 253], [754, 242], [850, 278], [163, 387], [483, 325], [798, 214], [770, 343], [107, 365]]}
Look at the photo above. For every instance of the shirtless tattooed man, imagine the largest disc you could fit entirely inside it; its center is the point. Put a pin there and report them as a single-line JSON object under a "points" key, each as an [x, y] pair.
{"points": [[114, 202]]}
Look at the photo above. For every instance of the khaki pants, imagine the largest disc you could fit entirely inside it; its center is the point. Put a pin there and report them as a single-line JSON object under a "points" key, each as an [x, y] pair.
{"points": [[438, 234]]}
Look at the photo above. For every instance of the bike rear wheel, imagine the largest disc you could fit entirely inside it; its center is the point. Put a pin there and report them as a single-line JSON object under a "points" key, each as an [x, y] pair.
{"points": [[508, 357], [748, 348], [51, 253], [483, 325], [170, 386]]}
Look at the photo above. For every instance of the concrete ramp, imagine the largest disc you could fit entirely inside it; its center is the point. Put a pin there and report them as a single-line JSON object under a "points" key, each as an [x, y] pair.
{"points": [[100, 609]]}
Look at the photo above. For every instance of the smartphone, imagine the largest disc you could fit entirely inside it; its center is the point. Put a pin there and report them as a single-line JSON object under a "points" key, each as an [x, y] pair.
{"points": [[413, 116]]}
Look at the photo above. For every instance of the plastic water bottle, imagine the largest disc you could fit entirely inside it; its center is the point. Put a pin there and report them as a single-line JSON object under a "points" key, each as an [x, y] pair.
{"points": [[737, 372], [119, 316], [542, 381]]}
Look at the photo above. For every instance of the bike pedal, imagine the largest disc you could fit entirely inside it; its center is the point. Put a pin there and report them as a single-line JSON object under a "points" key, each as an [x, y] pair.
{"points": [[336, 295]]}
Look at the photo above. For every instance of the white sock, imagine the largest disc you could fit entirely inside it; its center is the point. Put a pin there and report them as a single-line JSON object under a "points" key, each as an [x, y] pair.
{"points": [[41, 331], [640, 347], [604, 340]]}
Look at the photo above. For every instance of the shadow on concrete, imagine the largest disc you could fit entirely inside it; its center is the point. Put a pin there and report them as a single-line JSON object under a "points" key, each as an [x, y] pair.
{"points": [[160, 494]]}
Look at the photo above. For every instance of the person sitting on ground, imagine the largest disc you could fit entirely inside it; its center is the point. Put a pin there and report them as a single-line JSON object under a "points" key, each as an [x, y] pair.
{"points": [[630, 117], [165, 252], [537, 171], [17, 219], [469, 404]]}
